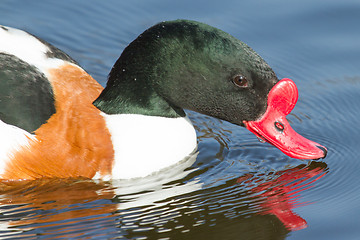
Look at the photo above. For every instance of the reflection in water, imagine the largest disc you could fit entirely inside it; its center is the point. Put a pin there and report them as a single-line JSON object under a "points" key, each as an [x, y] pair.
{"points": [[282, 192], [253, 206], [56, 207]]}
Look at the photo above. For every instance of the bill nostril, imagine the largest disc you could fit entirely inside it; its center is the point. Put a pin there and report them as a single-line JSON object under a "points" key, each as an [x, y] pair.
{"points": [[323, 149]]}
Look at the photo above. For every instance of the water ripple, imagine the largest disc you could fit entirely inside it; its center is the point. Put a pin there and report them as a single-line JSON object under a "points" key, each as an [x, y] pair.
{"points": [[337, 119]]}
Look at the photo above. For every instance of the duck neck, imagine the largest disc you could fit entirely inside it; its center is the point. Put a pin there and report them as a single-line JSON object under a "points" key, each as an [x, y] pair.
{"points": [[136, 98], [131, 91]]}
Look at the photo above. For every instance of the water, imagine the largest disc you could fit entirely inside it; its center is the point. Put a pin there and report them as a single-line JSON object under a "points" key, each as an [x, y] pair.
{"points": [[237, 187]]}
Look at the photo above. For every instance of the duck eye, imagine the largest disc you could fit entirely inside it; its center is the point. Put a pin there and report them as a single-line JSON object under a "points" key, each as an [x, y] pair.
{"points": [[279, 126], [240, 81]]}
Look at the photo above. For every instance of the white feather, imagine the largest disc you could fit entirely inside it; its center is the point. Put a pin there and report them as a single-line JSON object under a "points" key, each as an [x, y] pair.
{"points": [[28, 48], [12, 139], [146, 144]]}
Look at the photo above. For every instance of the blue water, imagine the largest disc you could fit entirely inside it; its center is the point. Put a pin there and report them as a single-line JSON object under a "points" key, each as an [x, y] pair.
{"points": [[237, 188]]}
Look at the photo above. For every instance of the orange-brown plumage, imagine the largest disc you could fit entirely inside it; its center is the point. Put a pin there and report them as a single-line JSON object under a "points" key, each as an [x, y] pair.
{"points": [[75, 141]]}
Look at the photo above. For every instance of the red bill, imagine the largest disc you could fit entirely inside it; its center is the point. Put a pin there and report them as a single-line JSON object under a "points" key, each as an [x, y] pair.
{"points": [[274, 128]]}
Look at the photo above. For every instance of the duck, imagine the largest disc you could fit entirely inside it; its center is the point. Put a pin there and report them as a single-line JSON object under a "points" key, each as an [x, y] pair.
{"points": [[56, 121]]}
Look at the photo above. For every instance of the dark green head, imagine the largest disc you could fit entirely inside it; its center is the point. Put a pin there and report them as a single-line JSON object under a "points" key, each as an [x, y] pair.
{"points": [[183, 64]]}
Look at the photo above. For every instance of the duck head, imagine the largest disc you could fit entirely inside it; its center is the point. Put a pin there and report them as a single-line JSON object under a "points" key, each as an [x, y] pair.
{"points": [[184, 64]]}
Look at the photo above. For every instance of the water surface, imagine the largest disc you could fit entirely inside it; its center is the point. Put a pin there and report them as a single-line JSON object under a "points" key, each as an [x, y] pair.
{"points": [[237, 187]]}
